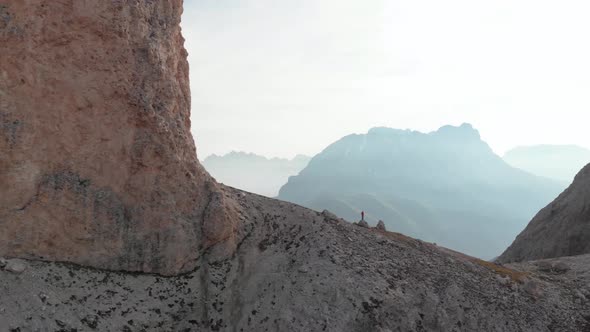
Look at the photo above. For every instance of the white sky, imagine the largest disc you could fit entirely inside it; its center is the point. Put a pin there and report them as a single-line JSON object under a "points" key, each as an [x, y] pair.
{"points": [[279, 78]]}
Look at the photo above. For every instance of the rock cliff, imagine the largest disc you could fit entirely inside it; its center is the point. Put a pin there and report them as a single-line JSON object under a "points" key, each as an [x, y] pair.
{"points": [[98, 166], [560, 229]]}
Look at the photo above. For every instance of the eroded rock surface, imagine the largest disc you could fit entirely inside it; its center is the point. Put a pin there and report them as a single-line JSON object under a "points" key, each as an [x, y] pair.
{"points": [[298, 270], [97, 162], [560, 229]]}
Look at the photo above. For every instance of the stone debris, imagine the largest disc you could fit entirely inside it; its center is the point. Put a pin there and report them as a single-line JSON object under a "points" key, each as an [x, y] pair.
{"points": [[15, 266], [363, 223]]}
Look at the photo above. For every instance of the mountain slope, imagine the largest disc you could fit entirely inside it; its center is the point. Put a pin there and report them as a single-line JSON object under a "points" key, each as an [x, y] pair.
{"points": [[559, 162], [560, 229], [298, 270], [254, 173], [446, 186]]}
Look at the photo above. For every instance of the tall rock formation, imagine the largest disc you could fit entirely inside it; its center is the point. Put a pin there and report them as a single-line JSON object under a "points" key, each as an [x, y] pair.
{"points": [[97, 163], [560, 229]]}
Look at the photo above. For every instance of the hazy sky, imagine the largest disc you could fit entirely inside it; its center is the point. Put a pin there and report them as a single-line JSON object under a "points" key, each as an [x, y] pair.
{"points": [[285, 77]]}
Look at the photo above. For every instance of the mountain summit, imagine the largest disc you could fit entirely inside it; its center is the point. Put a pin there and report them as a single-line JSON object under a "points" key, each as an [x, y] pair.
{"points": [[446, 186]]}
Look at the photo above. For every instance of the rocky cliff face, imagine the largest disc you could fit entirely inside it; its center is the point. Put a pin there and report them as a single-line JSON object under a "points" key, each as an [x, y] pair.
{"points": [[560, 229], [98, 166]]}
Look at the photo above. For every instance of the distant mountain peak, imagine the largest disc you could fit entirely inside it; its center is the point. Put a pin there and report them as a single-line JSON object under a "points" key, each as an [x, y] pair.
{"points": [[389, 131], [250, 155], [252, 172], [464, 131]]}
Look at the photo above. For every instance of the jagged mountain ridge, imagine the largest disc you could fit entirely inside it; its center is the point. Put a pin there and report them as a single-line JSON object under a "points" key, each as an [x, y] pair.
{"points": [[446, 186], [254, 173]]}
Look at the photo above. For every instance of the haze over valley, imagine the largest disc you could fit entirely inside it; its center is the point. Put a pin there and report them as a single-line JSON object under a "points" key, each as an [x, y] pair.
{"points": [[559, 162], [254, 173], [446, 187]]}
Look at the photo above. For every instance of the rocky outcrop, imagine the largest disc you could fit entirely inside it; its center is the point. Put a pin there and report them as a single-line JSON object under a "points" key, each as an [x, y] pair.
{"points": [[560, 229], [362, 223], [15, 266], [98, 166]]}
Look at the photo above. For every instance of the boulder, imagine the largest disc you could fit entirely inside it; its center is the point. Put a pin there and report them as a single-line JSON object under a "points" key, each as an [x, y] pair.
{"points": [[363, 223], [381, 226], [329, 215], [561, 267], [16, 266], [545, 266]]}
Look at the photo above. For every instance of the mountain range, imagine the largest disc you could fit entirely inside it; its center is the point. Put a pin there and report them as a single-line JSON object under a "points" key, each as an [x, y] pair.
{"points": [[446, 186], [254, 173]]}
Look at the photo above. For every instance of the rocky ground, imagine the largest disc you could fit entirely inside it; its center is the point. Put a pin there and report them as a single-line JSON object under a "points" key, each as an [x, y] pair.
{"points": [[299, 270]]}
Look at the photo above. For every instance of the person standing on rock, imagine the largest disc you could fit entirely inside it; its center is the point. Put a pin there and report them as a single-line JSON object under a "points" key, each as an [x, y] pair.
{"points": [[362, 215]]}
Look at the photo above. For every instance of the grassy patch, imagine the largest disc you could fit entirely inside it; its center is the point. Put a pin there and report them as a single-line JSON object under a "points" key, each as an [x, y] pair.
{"points": [[516, 276]]}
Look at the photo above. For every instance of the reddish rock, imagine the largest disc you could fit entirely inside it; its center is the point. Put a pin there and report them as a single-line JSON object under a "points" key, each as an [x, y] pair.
{"points": [[97, 164]]}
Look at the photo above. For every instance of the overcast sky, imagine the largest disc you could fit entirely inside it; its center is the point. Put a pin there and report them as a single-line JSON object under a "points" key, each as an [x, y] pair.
{"points": [[284, 77]]}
